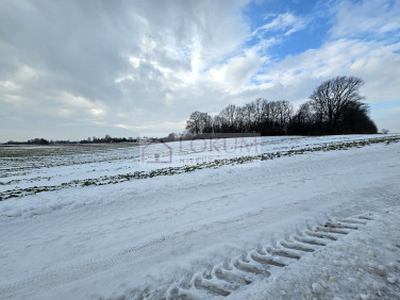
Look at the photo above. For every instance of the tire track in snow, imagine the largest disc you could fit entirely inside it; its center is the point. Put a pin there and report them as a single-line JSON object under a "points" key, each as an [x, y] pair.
{"points": [[130, 258], [224, 279]]}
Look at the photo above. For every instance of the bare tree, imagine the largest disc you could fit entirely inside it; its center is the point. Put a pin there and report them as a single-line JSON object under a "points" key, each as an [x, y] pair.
{"points": [[198, 123], [218, 124], [331, 98], [304, 115], [229, 115], [258, 110], [284, 112], [303, 122], [384, 131], [249, 116]]}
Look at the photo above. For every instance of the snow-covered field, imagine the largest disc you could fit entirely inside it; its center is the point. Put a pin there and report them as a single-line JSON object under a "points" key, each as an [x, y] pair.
{"points": [[273, 218]]}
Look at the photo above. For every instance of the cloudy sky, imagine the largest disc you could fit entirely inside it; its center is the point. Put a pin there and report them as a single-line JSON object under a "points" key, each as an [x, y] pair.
{"points": [[74, 69]]}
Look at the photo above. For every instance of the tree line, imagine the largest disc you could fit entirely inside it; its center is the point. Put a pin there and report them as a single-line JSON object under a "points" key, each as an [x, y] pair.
{"points": [[90, 140], [334, 107], [108, 139]]}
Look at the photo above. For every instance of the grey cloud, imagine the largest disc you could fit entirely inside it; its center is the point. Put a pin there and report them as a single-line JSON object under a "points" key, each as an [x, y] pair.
{"points": [[65, 65]]}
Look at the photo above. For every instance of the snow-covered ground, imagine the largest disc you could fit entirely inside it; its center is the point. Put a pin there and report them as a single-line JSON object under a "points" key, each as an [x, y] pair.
{"points": [[336, 213]]}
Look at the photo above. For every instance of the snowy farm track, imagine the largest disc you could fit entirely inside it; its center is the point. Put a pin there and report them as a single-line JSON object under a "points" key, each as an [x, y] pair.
{"points": [[154, 237]]}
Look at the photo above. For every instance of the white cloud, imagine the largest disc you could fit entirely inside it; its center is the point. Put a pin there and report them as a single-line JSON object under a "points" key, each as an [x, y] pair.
{"points": [[237, 72], [380, 68], [287, 22], [9, 86], [366, 17]]}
